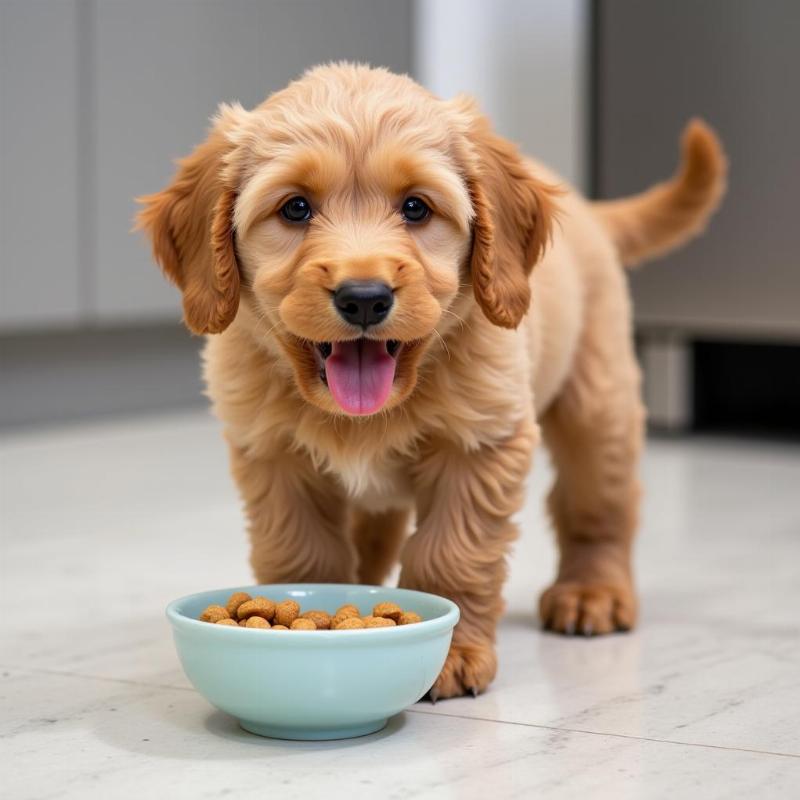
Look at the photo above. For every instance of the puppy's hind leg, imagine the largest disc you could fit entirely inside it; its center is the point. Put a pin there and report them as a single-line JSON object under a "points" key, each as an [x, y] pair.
{"points": [[594, 433], [378, 538]]}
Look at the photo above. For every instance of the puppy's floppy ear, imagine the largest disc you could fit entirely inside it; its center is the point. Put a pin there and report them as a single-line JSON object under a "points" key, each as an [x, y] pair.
{"points": [[514, 215], [191, 226]]}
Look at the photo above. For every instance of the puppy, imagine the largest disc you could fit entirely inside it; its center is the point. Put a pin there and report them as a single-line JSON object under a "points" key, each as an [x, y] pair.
{"points": [[399, 302]]}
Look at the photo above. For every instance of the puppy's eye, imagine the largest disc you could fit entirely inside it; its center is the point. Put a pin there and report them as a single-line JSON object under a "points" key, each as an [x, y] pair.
{"points": [[414, 209], [298, 209]]}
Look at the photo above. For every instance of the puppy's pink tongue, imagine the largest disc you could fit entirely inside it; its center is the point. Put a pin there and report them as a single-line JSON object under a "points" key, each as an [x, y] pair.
{"points": [[360, 375]]}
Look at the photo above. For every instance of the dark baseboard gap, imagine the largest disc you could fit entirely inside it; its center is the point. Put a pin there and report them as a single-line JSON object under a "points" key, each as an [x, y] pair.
{"points": [[747, 389]]}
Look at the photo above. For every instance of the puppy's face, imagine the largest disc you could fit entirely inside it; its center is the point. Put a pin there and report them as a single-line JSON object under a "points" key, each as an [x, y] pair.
{"points": [[351, 235], [351, 209]]}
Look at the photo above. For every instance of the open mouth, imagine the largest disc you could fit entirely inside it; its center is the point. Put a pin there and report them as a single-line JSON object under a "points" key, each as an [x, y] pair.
{"points": [[359, 373]]}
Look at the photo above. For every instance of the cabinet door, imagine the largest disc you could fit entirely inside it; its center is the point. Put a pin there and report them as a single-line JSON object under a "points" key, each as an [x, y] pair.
{"points": [[735, 63], [39, 202], [162, 69]]}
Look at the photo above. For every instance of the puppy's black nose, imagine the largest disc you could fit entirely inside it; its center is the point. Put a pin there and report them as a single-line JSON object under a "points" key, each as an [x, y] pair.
{"points": [[363, 303]]}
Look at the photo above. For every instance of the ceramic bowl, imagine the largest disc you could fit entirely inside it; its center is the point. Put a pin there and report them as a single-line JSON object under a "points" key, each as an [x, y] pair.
{"points": [[314, 684]]}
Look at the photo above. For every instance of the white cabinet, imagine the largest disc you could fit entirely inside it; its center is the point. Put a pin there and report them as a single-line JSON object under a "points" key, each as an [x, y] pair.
{"points": [[39, 128], [737, 67], [99, 99], [161, 70]]}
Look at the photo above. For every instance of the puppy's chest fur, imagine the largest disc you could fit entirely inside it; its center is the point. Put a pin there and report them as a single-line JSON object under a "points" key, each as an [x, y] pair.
{"points": [[378, 486], [466, 396], [372, 461], [375, 461]]}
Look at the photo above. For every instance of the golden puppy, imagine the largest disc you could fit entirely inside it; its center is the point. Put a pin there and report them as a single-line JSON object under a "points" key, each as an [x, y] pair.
{"points": [[398, 300]]}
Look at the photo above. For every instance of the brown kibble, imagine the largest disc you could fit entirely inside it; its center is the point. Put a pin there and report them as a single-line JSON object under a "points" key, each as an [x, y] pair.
{"points": [[245, 611], [235, 600], [257, 607], [286, 612], [321, 619], [345, 612], [349, 623], [378, 622], [348, 610], [214, 614], [389, 610]]}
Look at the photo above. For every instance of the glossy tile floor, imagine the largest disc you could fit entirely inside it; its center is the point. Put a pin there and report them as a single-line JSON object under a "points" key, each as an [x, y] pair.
{"points": [[103, 524]]}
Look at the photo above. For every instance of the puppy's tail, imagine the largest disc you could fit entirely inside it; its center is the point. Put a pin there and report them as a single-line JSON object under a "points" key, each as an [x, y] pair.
{"points": [[669, 214]]}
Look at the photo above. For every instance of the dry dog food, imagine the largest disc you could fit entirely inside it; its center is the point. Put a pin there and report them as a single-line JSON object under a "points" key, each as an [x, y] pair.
{"points": [[245, 611]]}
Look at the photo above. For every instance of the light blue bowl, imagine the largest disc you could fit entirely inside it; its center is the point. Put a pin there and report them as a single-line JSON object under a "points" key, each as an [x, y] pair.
{"points": [[314, 684]]}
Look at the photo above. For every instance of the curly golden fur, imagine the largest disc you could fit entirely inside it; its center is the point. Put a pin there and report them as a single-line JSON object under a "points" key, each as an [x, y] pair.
{"points": [[510, 312]]}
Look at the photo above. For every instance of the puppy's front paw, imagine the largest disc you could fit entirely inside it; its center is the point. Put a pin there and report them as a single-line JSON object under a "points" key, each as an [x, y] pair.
{"points": [[469, 669], [588, 608]]}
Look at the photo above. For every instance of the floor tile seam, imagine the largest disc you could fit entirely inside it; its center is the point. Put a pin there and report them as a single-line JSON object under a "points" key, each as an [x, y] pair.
{"points": [[563, 729]]}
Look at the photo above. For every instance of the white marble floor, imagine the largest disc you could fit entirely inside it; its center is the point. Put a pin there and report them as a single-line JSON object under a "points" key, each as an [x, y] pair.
{"points": [[103, 524]]}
